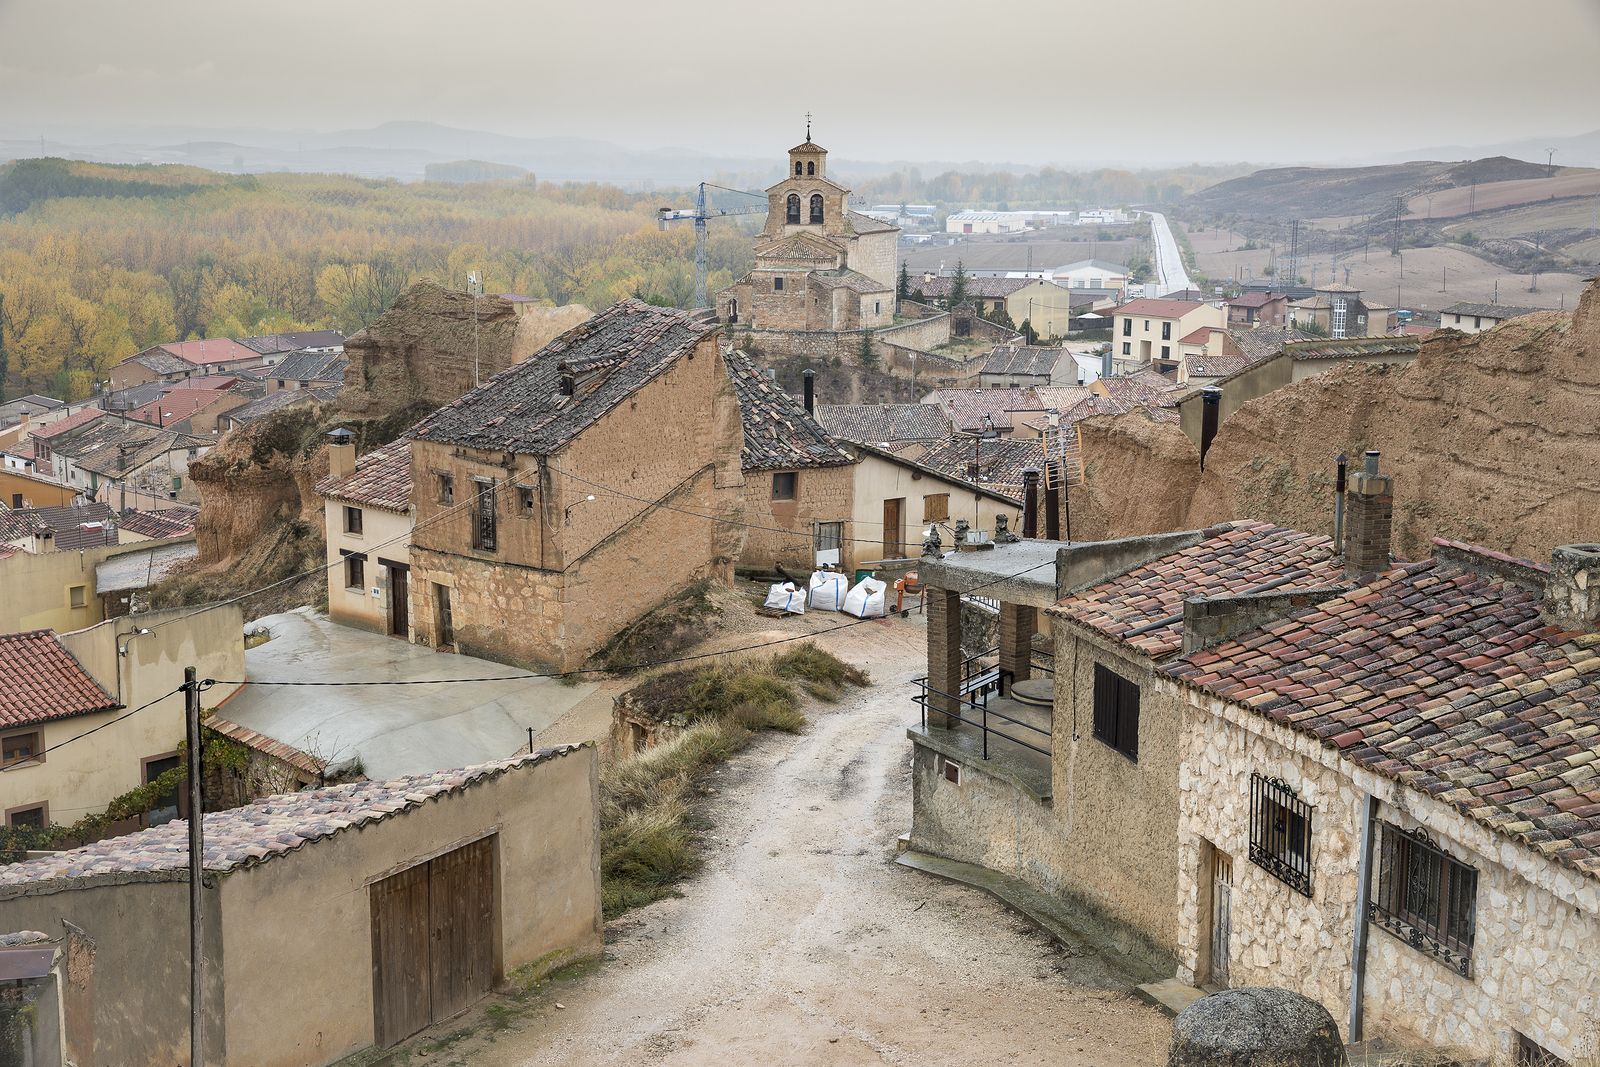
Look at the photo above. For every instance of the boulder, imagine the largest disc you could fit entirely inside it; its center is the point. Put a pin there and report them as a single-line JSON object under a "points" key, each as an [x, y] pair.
{"points": [[1255, 1027]]}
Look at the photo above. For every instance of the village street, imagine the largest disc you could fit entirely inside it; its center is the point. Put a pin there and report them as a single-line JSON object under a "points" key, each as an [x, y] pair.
{"points": [[801, 942]]}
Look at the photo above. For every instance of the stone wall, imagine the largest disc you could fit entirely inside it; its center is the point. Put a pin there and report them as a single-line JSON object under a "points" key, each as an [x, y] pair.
{"points": [[1534, 968], [877, 256], [822, 494]]}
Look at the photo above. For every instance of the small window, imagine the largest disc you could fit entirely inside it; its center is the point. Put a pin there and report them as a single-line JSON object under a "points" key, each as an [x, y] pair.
{"points": [[1127, 327], [785, 485], [797, 168], [525, 500], [33, 816], [78, 596], [1426, 897], [1166, 331], [1280, 832], [936, 507], [1166, 351], [877, 307], [445, 487], [21, 748], [1146, 325], [484, 527], [194, 453], [1127, 348], [950, 770], [1116, 711], [355, 572], [1532, 1054], [352, 520], [777, 284], [167, 806], [811, 168]]}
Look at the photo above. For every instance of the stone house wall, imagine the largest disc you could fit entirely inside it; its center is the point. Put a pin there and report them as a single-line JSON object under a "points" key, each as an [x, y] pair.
{"points": [[568, 575], [877, 256], [1534, 968], [822, 494]]}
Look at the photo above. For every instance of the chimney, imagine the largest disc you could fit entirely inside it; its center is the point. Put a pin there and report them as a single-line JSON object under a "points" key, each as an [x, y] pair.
{"points": [[341, 452], [1030, 502], [1210, 413], [1572, 594], [1369, 519], [1106, 365], [810, 377]]}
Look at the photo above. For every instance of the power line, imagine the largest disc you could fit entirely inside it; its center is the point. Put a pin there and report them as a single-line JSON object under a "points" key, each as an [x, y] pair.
{"points": [[91, 730]]}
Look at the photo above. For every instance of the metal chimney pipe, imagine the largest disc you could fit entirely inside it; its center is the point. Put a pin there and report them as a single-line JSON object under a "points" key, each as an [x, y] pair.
{"points": [[810, 377], [1030, 502], [1210, 414], [1338, 502]]}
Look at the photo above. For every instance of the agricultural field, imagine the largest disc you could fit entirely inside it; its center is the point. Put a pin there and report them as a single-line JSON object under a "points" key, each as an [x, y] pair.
{"points": [[1448, 203]]}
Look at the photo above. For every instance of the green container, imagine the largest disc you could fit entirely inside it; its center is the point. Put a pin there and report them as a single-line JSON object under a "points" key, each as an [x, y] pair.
{"points": [[860, 574]]}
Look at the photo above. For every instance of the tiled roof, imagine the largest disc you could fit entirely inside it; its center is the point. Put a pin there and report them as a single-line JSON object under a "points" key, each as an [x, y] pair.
{"points": [[272, 344], [1264, 341], [967, 407], [845, 278], [1011, 494], [283, 398], [1157, 309], [1489, 311], [1353, 347], [161, 361], [1001, 461], [170, 522], [262, 830], [63, 517], [876, 424], [1061, 397], [522, 410], [381, 479], [16, 524], [207, 351], [1208, 365], [1254, 299], [49, 403], [1144, 607], [1036, 360], [268, 746], [78, 418], [177, 405], [311, 367], [867, 224], [1200, 336], [988, 288], [801, 245], [1142, 387], [1444, 676], [40, 681], [115, 446], [778, 434]]}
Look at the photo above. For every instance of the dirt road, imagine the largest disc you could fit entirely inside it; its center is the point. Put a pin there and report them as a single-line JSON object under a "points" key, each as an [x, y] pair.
{"points": [[801, 943]]}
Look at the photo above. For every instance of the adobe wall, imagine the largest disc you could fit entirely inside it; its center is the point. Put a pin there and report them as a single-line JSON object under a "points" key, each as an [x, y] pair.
{"points": [[314, 904], [1531, 968], [823, 494]]}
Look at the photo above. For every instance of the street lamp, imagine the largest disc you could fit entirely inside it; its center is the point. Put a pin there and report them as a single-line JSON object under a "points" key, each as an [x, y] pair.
{"points": [[567, 514]]}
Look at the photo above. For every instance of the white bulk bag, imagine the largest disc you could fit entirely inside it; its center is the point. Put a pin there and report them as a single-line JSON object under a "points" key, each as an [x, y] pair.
{"points": [[828, 591], [785, 597], [866, 601]]}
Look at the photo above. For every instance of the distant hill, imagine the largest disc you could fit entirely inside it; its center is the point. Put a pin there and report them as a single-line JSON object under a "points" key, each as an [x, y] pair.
{"points": [[1323, 192], [1580, 150], [462, 171]]}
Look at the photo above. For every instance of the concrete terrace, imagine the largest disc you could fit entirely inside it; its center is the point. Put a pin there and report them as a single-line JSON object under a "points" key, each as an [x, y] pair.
{"points": [[393, 730]]}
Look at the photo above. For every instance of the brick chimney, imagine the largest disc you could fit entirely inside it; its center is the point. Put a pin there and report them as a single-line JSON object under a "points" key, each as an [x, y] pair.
{"points": [[341, 452], [1369, 519], [1572, 595]]}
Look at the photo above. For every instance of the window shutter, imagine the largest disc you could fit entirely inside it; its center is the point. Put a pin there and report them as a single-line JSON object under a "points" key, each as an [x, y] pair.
{"points": [[1128, 718]]}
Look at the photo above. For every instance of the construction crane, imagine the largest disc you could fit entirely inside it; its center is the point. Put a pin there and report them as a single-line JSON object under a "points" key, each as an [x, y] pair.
{"points": [[700, 215]]}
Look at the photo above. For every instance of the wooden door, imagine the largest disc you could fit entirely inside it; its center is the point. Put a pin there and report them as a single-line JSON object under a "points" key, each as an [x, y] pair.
{"points": [[400, 973], [399, 601], [461, 887], [893, 510], [1221, 915], [445, 622]]}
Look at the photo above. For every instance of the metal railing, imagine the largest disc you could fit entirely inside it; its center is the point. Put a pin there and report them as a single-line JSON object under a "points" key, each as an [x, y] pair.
{"points": [[979, 681], [1426, 897]]}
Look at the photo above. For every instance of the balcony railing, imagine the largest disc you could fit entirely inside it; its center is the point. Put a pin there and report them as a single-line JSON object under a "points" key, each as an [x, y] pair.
{"points": [[981, 680]]}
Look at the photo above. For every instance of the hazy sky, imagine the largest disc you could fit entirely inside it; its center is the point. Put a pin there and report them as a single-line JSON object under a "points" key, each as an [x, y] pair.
{"points": [[936, 79]]}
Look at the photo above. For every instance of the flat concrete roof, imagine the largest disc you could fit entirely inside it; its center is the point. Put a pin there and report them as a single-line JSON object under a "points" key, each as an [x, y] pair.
{"points": [[1020, 573]]}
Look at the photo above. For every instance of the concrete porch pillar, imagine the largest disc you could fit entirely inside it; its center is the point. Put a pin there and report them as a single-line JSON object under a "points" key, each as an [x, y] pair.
{"points": [[1017, 624], [944, 653]]}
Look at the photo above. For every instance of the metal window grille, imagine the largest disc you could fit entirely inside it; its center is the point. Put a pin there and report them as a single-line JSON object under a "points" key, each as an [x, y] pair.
{"points": [[1426, 898], [1280, 832], [1531, 1054], [485, 524]]}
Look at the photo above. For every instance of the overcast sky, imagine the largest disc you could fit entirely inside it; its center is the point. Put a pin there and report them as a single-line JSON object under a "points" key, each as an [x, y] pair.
{"points": [[1166, 80]]}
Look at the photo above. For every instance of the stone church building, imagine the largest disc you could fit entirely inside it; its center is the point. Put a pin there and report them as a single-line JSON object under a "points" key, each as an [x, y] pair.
{"points": [[819, 265]]}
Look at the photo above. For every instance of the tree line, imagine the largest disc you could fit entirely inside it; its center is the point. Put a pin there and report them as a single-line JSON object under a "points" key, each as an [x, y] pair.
{"points": [[100, 261]]}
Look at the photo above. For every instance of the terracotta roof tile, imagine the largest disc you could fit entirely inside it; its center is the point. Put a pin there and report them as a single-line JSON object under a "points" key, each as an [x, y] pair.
{"points": [[1157, 309], [40, 681], [1144, 607], [1036, 360], [778, 434], [967, 407], [876, 424], [381, 479], [168, 522], [1444, 676]]}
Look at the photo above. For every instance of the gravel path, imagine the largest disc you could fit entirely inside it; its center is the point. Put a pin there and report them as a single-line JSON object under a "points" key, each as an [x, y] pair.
{"points": [[801, 943]]}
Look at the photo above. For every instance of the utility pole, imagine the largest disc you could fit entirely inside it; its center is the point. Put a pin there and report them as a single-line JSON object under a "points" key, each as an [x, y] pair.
{"points": [[1294, 252], [1399, 213], [1444, 273], [475, 287], [191, 703], [1550, 161]]}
